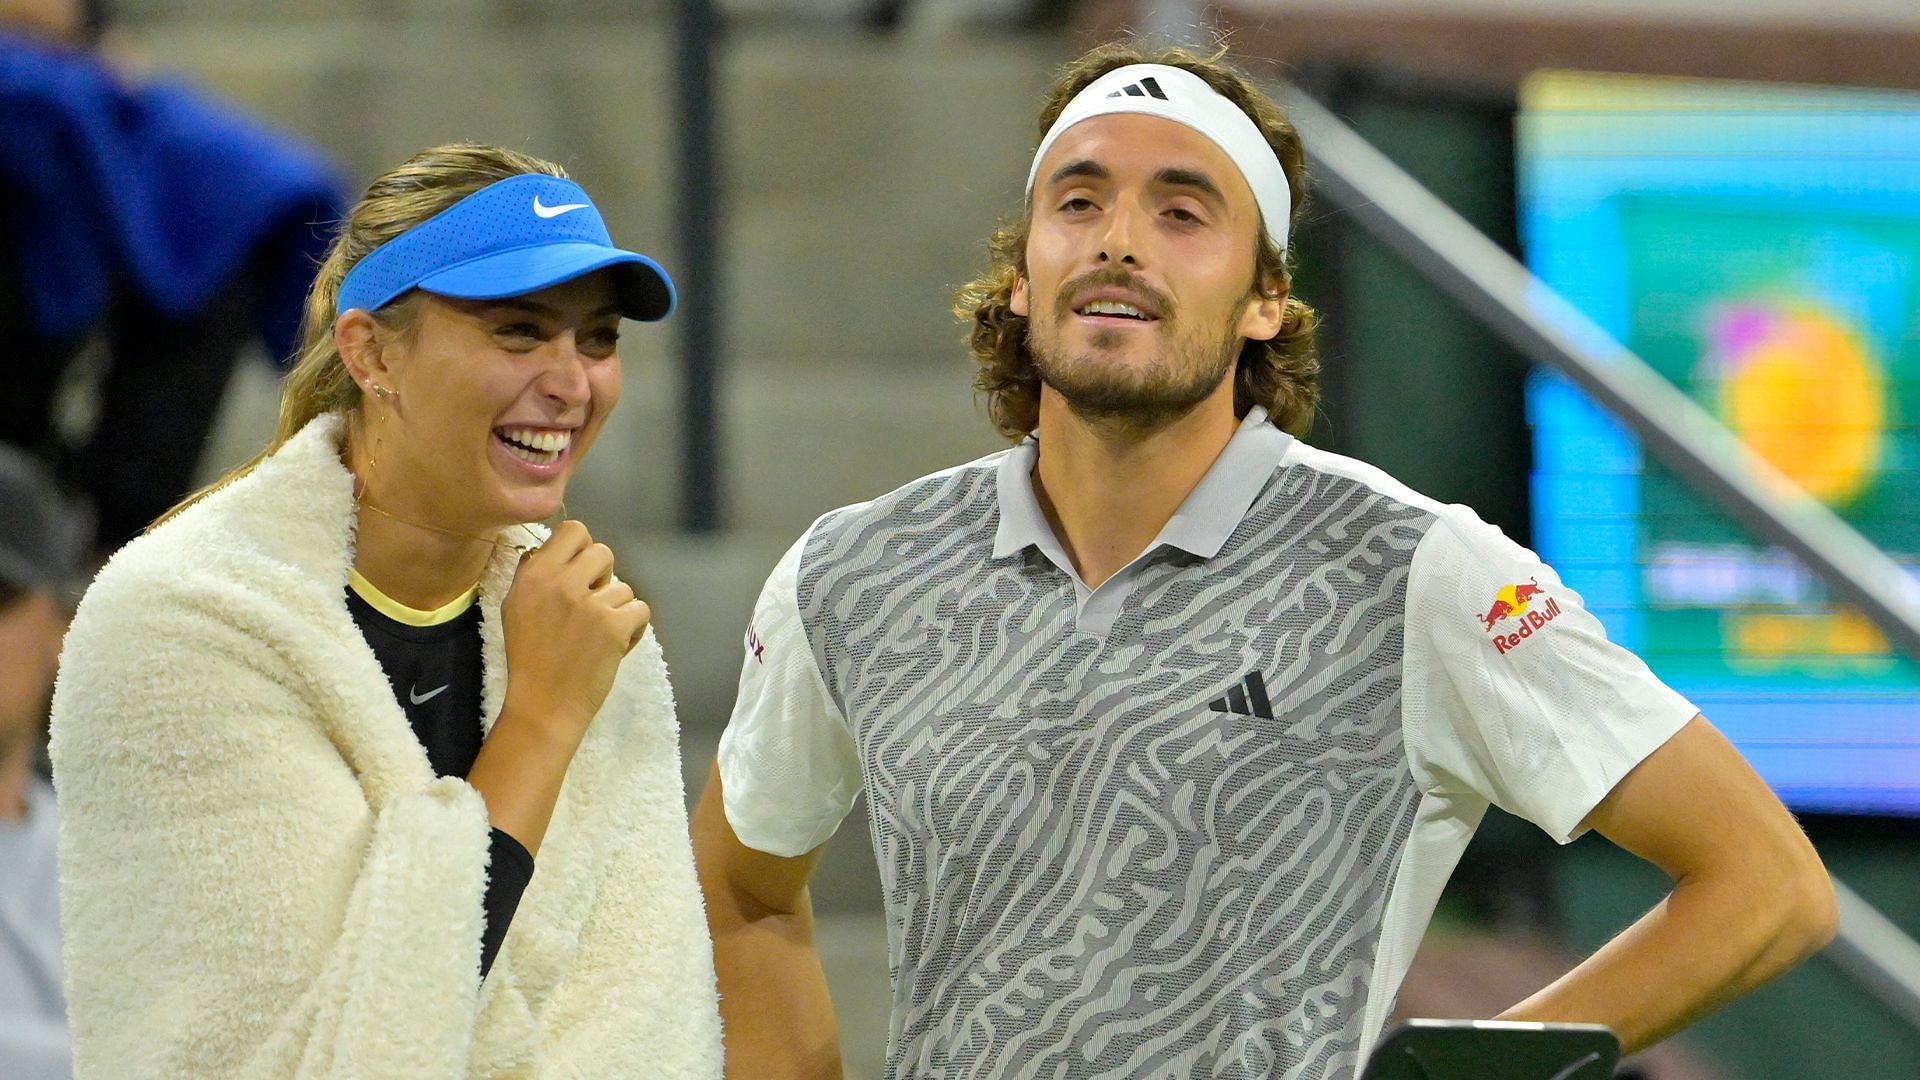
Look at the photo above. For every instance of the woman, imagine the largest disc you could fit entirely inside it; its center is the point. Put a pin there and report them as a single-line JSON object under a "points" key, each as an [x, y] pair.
{"points": [[316, 730]]}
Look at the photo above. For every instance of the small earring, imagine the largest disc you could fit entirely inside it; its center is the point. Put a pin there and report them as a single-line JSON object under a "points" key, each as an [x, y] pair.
{"points": [[382, 392]]}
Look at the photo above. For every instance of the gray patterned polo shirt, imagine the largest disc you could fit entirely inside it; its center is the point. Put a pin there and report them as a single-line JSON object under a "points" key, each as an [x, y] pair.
{"points": [[1191, 823]]}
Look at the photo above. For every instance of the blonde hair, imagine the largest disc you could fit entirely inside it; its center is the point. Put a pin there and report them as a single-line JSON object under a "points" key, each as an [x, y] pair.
{"points": [[1281, 374], [420, 187]]}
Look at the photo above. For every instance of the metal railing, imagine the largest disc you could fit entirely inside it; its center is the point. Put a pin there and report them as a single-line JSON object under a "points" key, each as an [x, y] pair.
{"points": [[698, 29], [1494, 287], [1877, 954]]}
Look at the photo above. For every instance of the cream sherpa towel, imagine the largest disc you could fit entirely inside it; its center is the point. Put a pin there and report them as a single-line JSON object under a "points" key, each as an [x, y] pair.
{"points": [[262, 877]]}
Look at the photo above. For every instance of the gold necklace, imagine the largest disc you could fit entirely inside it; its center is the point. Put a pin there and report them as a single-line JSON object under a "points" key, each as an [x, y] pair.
{"points": [[495, 541], [360, 499]]}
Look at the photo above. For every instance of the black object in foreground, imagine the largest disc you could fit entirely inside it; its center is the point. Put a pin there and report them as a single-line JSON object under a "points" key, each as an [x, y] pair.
{"points": [[1493, 1050]]}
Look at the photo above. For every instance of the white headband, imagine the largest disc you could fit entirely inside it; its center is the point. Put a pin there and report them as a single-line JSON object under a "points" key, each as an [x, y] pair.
{"points": [[1185, 98]]}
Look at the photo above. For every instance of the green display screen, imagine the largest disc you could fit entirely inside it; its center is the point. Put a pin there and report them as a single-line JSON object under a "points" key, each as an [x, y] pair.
{"points": [[1760, 247]]}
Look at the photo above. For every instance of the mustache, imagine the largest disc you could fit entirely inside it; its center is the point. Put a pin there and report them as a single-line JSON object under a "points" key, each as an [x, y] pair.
{"points": [[1111, 276]]}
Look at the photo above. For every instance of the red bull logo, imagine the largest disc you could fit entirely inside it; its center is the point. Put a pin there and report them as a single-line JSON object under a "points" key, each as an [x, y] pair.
{"points": [[1516, 602]]}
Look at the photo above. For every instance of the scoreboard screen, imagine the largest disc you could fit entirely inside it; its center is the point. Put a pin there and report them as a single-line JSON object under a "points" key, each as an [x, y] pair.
{"points": [[1759, 246]]}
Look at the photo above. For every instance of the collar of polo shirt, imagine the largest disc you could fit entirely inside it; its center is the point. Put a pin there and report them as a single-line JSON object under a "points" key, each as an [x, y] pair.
{"points": [[1210, 513]]}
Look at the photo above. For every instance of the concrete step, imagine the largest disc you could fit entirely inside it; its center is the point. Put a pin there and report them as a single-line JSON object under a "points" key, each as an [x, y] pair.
{"points": [[370, 93], [140, 15], [861, 177]]}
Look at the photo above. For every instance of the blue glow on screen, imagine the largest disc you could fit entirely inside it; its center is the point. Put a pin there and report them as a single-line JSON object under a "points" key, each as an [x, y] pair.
{"points": [[1760, 247]]}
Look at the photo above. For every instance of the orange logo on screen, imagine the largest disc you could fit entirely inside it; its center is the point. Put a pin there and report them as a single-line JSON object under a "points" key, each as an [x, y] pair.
{"points": [[1516, 602], [1799, 384]]}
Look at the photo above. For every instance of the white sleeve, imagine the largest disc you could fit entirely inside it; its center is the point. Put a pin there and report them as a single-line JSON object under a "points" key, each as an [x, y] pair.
{"points": [[1513, 692], [789, 770]]}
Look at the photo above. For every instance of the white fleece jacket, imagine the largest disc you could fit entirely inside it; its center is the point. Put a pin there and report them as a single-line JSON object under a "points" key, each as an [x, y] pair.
{"points": [[261, 875]]}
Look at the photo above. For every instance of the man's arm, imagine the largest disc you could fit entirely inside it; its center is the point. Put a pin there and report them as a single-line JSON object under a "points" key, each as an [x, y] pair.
{"points": [[1750, 897], [773, 993]]}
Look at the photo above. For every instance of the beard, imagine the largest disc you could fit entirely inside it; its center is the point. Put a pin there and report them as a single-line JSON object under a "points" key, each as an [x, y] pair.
{"points": [[1193, 361]]}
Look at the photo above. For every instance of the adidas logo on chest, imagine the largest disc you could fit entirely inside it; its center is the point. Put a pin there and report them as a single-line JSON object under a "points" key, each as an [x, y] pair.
{"points": [[1248, 697]]}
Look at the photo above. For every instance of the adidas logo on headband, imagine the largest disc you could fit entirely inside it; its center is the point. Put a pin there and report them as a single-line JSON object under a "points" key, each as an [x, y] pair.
{"points": [[1144, 88]]}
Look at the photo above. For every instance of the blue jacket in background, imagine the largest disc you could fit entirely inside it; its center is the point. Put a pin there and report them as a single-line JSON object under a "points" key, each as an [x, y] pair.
{"points": [[154, 186]]}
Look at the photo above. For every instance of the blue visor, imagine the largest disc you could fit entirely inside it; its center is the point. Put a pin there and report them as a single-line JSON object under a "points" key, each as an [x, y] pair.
{"points": [[510, 238]]}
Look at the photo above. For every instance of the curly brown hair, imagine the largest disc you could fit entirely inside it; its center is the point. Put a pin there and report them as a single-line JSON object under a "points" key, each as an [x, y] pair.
{"points": [[1282, 374]]}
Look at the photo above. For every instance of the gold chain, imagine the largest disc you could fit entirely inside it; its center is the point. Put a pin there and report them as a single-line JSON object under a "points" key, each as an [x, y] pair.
{"points": [[518, 549], [359, 499]]}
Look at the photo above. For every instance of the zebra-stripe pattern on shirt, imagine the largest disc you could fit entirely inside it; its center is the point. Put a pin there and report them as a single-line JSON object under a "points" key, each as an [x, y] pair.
{"points": [[1089, 871]]}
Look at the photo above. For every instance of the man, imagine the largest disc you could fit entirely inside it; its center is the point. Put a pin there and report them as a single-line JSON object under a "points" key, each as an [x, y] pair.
{"points": [[37, 548], [1171, 726]]}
